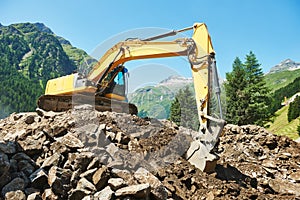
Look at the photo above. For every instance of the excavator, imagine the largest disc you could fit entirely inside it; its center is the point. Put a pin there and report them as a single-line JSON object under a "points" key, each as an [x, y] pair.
{"points": [[105, 86]]}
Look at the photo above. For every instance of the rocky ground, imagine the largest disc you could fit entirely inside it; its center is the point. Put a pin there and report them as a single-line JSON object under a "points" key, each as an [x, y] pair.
{"points": [[85, 154]]}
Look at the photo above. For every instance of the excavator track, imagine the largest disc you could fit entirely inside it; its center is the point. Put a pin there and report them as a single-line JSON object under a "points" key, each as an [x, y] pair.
{"points": [[59, 103]]}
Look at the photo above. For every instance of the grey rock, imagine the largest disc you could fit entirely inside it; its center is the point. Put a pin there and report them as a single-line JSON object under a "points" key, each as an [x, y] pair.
{"points": [[116, 183], [34, 196], [269, 163], [14, 185], [283, 186], [105, 194], [295, 176], [100, 177], [51, 161], [4, 179], [32, 190], [22, 156], [157, 188], [88, 174], [13, 165], [124, 174], [29, 119], [15, 195], [71, 141], [75, 178], [95, 163], [59, 180], [26, 167], [90, 197], [49, 195], [136, 191], [84, 185], [82, 160], [59, 147], [77, 194], [4, 163], [32, 142], [112, 149], [8, 147], [39, 179]]}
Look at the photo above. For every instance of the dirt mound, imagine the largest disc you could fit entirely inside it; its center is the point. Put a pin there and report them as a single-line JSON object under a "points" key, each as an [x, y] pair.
{"points": [[85, 154]]}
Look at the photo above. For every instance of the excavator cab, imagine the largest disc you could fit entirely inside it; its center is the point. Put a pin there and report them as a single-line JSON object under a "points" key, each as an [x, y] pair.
{"points": [[117, 81]]}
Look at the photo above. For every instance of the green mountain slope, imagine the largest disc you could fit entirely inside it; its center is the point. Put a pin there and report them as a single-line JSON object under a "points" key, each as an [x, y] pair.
{"points": [[281, 79], [281, 126], [31, 54], [155, 101]]}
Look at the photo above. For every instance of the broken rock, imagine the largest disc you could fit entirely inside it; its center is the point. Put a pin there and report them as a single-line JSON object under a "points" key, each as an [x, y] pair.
{"points": [[295, 176], [39, 179], [14, 185], [100, 177], [116, 183], [157, 188], [105, 194], [59, 179], [84, 185], [285, 187], [137, 191], [15, 195]]}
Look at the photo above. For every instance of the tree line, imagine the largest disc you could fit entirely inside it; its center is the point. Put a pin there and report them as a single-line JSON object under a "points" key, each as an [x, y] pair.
{"points": [[248, 99]]}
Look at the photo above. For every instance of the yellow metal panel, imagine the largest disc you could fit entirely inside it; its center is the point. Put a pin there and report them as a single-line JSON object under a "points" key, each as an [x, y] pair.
{"points": [[65, 85], [60, 85], [136, 50], [200, 71], [115, 96]]}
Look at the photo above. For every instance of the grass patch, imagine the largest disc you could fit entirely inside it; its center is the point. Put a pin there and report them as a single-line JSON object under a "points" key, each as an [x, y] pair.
{"points": [[281, 126]]}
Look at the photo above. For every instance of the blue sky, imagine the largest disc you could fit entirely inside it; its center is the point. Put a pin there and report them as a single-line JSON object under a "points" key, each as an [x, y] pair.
{"points": [[270, 28]]}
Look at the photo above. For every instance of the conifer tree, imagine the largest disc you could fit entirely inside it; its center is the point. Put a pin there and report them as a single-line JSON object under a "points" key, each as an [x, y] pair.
{"points": [[257, 111], [294, 109], [246, 93], [236, 98], [183, 109], [175, 111]]}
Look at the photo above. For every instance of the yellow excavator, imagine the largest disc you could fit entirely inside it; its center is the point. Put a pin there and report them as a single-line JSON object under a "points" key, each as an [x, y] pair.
{"points": [[105, 85]]}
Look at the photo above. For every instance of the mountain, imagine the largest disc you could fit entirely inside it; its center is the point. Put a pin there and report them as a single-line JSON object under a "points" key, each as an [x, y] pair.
{"points": [[280, 79], [287, 64], [155, 101], [30, 55]]}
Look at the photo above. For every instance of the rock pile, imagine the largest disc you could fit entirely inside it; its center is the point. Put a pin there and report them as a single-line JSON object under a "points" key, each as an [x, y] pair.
{"points": [[86, 154]]}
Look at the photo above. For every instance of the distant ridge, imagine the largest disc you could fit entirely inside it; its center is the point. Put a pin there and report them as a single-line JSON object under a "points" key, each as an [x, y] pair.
{"points": [[285, 65]]}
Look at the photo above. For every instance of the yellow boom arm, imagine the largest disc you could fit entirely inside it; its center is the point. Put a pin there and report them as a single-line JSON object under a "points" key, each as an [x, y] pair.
{"points": [[198, 50]]}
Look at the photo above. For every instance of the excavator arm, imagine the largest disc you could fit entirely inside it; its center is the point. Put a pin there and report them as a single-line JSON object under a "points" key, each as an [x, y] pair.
{"points": [[198, 49]]}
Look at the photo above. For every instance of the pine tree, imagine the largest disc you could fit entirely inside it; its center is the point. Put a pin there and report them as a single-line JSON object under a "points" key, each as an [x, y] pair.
{"points": [[184, 109], [175, 111], [246, 93], [294, 109], [236, 99], [257, 111]]}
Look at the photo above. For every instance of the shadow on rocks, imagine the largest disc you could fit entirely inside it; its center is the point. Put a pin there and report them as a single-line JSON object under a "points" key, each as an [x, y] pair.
{"points": [[230, 173]]}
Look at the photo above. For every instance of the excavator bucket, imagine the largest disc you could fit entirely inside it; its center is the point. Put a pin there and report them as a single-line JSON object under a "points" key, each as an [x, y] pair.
{"points": [[199, 153]]}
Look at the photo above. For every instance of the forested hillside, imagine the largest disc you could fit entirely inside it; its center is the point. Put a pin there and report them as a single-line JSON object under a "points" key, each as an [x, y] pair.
{"points": [[30, 55]]}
